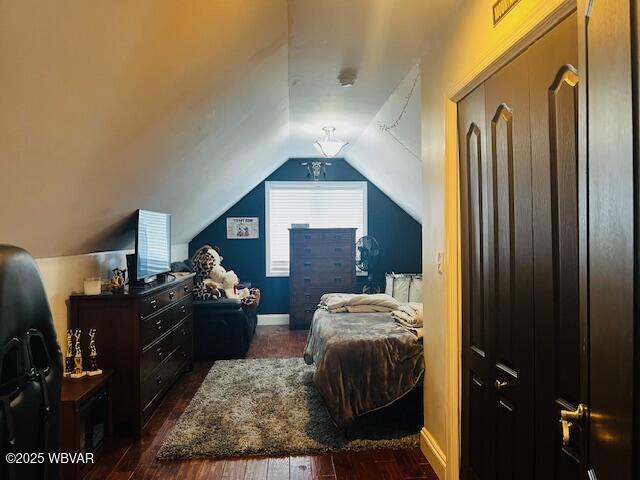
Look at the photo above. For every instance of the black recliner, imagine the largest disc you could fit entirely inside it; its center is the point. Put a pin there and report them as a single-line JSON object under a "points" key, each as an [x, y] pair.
{"points": [[30, 369], [222, 329]]}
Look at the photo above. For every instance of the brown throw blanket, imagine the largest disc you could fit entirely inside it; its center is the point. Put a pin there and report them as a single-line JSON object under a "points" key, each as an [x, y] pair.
{"points": [[364, 362]]}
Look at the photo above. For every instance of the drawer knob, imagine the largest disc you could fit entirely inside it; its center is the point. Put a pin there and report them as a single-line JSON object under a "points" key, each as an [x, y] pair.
{"points": [[184, 332], [307, 310], [159, 324], [307, 295], [171, 295], [307, 264], [307, 279], [186, 288], [154, 303], [338, 249], [185, 354], [159, 380], [183, 308], [159, 352]]}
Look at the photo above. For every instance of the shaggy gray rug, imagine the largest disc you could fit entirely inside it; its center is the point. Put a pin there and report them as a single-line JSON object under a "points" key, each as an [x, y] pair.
{"points": [[268, 407]]}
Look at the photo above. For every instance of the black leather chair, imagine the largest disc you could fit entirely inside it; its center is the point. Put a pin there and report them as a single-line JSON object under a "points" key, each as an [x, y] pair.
{"points": [[30, 368], [222, 329]]}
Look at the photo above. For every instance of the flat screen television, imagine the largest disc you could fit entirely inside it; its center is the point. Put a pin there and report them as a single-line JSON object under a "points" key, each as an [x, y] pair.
{"points": [[153, 244]]}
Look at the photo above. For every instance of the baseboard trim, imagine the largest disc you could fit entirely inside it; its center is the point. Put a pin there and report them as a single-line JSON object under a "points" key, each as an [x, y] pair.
{"points": [[273, 319], [434, 453]]}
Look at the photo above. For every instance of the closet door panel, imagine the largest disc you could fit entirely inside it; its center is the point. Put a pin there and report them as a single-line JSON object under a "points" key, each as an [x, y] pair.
{"points": [[507, 112], [554, 81], [475, 188]]}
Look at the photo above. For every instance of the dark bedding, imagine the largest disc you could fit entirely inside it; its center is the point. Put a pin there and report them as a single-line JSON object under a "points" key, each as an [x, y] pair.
{"points": [[364, 362]]}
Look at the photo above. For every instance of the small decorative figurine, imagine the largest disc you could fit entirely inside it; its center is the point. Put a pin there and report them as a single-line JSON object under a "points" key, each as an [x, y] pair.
{"points": [[77, 360], [68, 359], [118, 280], [93, 355]]}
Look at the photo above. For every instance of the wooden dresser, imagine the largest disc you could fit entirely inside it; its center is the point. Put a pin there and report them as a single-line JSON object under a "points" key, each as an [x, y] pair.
{"points": [[145, 335], [322, 260]]}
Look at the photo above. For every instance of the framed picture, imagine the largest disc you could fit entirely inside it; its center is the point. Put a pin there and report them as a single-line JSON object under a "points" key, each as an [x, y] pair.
{"points": [[243, 228]]}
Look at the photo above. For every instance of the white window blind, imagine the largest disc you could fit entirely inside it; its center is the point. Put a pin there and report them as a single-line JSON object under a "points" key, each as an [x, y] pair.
{"points": [[320, 204]]}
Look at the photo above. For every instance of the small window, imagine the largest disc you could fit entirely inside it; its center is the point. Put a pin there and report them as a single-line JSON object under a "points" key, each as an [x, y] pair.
{"points": [[319, 204]]}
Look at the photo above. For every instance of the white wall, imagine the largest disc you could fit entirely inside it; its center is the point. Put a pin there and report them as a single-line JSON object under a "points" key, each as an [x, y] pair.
{"points": [[63, 275], [172, 106], [392, 158]]}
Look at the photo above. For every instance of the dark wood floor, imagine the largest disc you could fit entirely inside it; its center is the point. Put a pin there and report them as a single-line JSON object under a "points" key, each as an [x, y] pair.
{"points": [[124, 459]]}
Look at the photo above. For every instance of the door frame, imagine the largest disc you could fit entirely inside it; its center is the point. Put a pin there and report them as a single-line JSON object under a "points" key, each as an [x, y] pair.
{"points": [[543, 20]]}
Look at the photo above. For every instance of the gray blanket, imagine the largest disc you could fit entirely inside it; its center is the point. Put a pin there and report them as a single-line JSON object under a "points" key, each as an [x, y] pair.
{"points": [[364, 362]]}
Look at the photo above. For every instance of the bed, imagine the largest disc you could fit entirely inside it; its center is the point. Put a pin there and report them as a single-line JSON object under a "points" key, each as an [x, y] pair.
{"points": [[364, 362]]}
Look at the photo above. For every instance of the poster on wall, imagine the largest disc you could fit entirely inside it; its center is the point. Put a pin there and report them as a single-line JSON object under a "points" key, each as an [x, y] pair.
{"points": [[242, 228]]}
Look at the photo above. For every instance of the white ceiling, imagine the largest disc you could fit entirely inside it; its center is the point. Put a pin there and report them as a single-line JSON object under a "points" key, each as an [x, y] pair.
{"points": [[182, 106], [380, 39]]}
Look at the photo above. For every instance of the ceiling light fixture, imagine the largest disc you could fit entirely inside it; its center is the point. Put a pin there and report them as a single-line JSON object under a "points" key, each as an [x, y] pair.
{"points": [[328, 146]]}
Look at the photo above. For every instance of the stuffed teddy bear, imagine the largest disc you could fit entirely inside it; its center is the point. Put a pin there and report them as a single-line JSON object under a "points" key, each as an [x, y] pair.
{"points": [[205, 260], [215, 277], [213, 281], [230, 282]]}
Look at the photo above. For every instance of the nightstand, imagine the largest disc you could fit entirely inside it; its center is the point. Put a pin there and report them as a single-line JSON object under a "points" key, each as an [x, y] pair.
{"points": [[85, 419]]}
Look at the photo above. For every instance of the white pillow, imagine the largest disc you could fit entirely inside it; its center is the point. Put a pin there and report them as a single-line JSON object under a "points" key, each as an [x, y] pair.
{"points": [[397, 285], [415, 289]]}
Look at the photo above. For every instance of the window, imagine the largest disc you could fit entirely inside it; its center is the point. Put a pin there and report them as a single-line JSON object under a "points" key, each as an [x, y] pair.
{"points": [[320, 204]]}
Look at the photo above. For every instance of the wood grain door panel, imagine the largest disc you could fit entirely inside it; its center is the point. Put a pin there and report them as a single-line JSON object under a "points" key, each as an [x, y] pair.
{"points": [[507, 112], [477, 253], [554, 80]]}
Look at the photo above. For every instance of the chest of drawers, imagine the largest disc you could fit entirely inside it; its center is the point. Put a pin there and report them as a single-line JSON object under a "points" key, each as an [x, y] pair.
{"points": [[322, 260], [145, 337]]}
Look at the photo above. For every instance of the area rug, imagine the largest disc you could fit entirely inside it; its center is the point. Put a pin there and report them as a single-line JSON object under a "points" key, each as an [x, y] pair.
{"points": [[268, 407]]}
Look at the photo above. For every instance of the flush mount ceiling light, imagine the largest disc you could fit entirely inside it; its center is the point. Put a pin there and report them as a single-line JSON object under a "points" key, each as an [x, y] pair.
{"points": [[328, 146]]}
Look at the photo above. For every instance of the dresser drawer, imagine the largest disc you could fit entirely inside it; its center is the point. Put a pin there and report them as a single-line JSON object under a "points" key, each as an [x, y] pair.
{"points": [[155, 326], [161, 379], [301, 317], [322, 250], [318, 235], [308, 294], [183, 336], [304, 266], [155, 303], [154, 354], [329, 282]]}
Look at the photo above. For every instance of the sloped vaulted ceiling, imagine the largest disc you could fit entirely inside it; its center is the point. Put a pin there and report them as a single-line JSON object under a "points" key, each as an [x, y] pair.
{"points": [[178, 106]]}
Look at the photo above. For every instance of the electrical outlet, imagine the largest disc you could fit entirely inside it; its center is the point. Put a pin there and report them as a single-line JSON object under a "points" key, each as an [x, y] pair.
{"points": [[440, 262]]}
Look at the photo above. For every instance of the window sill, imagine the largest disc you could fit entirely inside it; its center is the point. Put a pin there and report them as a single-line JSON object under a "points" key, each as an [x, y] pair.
{"points": [[359, 273]]}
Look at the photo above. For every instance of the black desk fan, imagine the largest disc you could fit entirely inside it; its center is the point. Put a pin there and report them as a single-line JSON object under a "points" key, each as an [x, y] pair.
{"points": [[367, 258]]}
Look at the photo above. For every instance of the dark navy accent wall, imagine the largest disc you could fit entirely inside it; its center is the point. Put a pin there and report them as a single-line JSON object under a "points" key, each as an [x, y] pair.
{"points": [[399, 235]]}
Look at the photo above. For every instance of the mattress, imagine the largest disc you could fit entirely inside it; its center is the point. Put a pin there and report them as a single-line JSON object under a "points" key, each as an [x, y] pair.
{"points": [[364, 362]]}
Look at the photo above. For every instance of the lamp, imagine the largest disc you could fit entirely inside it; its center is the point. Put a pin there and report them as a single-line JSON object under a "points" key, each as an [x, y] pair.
{"points": [[328, 146]]}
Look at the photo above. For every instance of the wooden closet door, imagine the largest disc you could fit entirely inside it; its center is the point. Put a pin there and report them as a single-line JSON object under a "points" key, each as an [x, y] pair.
{"points": [[477, 275], [612, 58], [508, 128], [553, 83]]}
